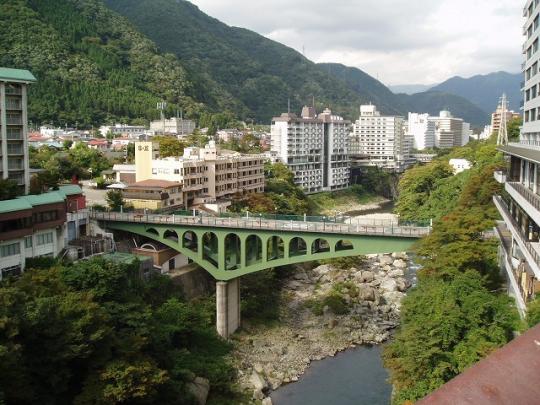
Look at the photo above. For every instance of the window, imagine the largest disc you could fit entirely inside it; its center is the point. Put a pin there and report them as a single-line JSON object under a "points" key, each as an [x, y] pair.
{"points": [[28, 242], [10, 250], [44, 239]]}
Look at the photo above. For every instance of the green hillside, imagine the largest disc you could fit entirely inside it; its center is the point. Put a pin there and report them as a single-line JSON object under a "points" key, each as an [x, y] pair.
{"points": [[90, 63]]}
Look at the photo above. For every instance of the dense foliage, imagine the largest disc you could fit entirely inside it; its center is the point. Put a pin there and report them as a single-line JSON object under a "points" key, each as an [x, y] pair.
{"points": [[91, 65], [457, 314], [97, 333], [432, 191]]}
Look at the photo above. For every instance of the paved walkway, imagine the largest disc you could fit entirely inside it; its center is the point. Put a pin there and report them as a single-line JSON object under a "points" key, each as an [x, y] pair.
{"points": [[379, 229]]}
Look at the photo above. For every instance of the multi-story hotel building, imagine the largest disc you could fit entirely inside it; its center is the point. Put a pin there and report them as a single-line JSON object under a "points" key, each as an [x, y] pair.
{"points": [[519, 231], [14, 160], [422, 129], [450, 131], [205, 175], [380, 141], [314, 147]]}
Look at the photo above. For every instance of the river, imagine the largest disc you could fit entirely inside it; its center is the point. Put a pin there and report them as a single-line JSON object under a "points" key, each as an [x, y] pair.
{"points": [[354, 377]]}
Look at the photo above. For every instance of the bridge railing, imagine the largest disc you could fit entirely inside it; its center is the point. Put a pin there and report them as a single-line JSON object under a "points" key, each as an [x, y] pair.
{"points": [[260, 223]]}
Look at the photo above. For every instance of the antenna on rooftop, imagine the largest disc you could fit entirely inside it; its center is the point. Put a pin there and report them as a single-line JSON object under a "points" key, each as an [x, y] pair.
{"points": [[502, 138]]}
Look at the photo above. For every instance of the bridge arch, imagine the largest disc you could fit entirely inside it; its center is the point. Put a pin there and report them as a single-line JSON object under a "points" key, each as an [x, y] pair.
{"points": [[153, 231], [297, 247], [320, 246], [171, 235], [344, 245], [254, 250], [233, 252], [210, 248], [275, 248], [190, 241]]}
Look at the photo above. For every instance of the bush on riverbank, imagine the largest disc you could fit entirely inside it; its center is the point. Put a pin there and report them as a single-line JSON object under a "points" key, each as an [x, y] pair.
{"points": [[329, 203], [457, 314]]}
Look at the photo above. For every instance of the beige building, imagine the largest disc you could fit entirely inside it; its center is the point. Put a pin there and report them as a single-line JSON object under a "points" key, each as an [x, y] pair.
{"points": [[154, 195], [14, 157], [496, 118], [206, 175]]}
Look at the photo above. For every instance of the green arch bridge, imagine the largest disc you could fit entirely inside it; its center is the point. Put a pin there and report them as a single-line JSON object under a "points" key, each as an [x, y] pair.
{"points": [[229, 247]]}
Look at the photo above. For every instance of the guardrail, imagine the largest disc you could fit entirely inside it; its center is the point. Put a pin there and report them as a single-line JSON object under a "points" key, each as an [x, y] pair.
{"points": [[260, 223], [531, 197]]}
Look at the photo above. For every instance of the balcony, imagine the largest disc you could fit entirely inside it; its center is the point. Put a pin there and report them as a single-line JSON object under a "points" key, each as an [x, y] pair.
{"points": [[500, 177], [531, 250]]}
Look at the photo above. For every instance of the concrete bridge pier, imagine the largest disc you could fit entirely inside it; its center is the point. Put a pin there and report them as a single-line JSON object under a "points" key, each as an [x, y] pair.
{"points": [[227, 307]]}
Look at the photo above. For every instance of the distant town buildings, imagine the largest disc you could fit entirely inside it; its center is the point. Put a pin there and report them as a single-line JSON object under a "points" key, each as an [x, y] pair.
{"points": [[450, 131], [125, 131], [422, 129], [314, 147], [173, 126], [380, 141], [497, 115], [204, 176], [14, 156]]}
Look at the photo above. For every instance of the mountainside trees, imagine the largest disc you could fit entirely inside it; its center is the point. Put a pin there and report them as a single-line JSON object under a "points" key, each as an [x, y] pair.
{"points": [[457, 314]]}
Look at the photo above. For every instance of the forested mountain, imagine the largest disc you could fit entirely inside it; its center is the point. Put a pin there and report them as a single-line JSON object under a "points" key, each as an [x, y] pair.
{"points": [[485, 91], [263, 74], [90, 64], [409, 88], [94, 65], [431, 102]]}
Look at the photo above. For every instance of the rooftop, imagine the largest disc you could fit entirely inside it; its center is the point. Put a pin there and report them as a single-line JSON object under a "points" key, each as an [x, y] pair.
{"points": [[52, 197], [14, 206], [155, 184], [70, 189], [16, 75], [522, 152], [507, 376]]}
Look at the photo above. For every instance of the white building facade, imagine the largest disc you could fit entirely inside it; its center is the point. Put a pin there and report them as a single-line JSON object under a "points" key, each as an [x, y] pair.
{"points": [[422, 129], [380, 141], [450, 131], [315, 148]]}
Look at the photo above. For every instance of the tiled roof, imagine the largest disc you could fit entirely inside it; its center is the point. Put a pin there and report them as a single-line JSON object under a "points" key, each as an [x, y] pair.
{"points": [[14, 206], [43, 199], [16, 75], [70, 189]]}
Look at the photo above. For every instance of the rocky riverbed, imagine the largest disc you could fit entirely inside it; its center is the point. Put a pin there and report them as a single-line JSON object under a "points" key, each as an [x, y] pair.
{"points": [[325, 310]]}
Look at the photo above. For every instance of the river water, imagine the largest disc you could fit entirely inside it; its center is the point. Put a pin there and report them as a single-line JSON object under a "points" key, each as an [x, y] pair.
{"points": [[354, 377]]}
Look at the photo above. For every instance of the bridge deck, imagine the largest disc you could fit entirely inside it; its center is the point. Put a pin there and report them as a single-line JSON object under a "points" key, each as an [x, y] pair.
{"points": [[380, 229]]}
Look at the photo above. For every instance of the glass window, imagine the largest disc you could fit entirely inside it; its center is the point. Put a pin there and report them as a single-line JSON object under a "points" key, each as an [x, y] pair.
{"points": [[45, 239], [28, 242], [10, 250]]}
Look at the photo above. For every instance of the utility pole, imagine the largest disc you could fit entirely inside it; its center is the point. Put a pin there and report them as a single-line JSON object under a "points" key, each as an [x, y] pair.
{"points": [[502, 138], [161, 107]]}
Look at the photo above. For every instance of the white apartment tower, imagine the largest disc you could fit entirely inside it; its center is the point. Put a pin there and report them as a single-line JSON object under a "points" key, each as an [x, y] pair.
{"points": [[314, 147], [519, 232], [14, 157], [379, 140], [450, 131], [422, 129]]}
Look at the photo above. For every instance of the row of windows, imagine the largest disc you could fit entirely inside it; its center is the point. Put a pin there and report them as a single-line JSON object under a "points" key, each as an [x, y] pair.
{"points": [[532, 115], [10, 250]]}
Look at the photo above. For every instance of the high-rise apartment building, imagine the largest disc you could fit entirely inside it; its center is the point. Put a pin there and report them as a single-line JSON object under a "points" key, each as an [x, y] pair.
{"points": [[422, 129], [450, 131], [14, 159], [519, 232], [380, 141], [173, 126], [314, 147]]}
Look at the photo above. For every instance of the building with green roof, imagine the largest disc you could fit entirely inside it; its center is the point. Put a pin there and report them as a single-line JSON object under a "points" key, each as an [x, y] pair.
{"points": [[14, 126]]}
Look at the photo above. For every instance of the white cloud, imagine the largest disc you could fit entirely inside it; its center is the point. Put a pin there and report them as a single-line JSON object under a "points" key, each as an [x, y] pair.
{"points": [[401, 41]]}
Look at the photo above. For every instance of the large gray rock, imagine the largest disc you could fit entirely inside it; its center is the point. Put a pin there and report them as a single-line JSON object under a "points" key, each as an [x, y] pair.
{"points": [[400, 255], [257, 381], [199, 388], [400, 264], [396, 273], [324, 269], [267, 401], [366, 293], [402, 284], [389, 285], [385, 260], [364, 276]]}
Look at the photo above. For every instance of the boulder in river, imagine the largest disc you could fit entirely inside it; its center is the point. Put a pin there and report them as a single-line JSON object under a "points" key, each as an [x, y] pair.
{"points": [[389, 285], [199, 388]]}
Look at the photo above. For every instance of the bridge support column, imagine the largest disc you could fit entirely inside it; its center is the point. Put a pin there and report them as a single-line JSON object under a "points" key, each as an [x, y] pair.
{"points": [[227, 307]]}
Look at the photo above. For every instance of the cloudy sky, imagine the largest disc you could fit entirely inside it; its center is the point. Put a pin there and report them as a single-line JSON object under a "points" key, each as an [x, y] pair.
{"points": [[398, 41]]}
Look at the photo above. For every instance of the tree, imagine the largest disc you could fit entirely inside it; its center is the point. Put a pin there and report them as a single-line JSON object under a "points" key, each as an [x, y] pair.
{"points": [[514, 128], [115, 200], [170, 146], [8, 189], [67, 144]]}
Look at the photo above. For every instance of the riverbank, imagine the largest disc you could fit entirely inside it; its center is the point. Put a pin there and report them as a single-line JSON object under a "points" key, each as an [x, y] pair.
{"points": [[343, 202], [325, 310]]}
